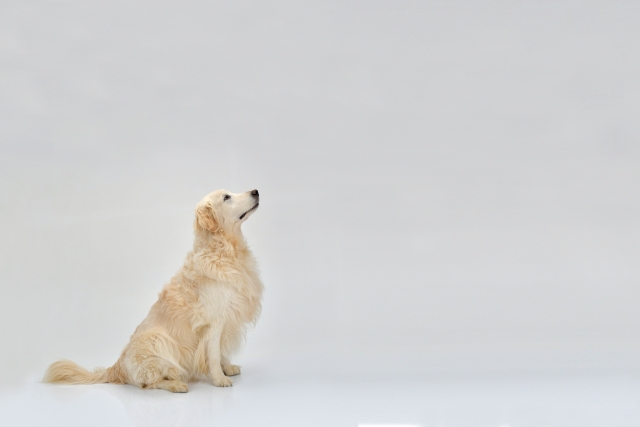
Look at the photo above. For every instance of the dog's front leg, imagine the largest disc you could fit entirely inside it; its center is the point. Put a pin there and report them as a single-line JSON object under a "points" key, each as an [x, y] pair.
{"points": [[214, 357]]}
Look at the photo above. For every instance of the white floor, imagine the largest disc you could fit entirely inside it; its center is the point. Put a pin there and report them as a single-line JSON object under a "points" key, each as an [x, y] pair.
{"points": [[304, 391]]}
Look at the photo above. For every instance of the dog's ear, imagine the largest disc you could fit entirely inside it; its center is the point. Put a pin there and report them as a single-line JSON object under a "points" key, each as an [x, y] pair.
{"points": [[206, 219]]}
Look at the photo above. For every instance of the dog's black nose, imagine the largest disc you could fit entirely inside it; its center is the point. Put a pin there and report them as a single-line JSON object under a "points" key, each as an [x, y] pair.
{"points": [[255, 193]]}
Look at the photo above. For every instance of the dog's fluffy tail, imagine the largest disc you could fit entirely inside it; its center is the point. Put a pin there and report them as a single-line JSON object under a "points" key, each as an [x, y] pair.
{"points": [[67, 372]]}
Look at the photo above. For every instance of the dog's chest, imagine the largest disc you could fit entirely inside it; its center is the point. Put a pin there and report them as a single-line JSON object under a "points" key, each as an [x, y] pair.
{"points": [[237, 301]]}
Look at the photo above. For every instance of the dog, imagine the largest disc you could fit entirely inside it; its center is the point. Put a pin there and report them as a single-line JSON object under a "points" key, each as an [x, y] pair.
{"points": [[201, 315]]}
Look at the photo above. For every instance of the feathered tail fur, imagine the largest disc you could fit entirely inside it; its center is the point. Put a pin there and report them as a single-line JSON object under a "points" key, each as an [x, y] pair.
{"points": [[65, 371]]}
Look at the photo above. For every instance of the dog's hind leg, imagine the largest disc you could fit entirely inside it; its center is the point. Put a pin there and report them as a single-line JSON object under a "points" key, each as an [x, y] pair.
{"points": [[151, 364], [173, 386], [155, 372]]}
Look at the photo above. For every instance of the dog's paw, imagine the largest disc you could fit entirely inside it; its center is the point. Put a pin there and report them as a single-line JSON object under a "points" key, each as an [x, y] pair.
{"points": [[178, 387], [222, 382], [231, 370]]}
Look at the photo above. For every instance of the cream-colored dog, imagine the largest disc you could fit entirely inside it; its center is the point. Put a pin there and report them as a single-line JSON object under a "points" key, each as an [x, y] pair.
{"points": [[200, 317]]}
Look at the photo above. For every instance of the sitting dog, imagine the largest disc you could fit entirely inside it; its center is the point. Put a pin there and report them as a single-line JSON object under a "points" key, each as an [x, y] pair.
{"points": [[200, 317]]}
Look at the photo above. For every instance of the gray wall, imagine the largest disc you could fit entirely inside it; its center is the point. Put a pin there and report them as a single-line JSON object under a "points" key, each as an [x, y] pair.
{"points": [[435, 176]]}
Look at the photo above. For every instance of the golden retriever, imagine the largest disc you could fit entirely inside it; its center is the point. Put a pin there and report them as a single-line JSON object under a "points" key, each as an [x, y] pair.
{"points": [[200, 318]]}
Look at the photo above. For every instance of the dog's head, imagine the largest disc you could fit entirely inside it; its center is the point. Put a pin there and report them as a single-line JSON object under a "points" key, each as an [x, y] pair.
{"points": [[222, 210]]}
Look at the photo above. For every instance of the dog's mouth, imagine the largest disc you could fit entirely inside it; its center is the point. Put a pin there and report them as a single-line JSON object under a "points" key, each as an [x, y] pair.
{"points": [[250, 210]]}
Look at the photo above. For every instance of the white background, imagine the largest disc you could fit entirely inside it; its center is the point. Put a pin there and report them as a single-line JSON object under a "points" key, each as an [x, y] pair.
{"points": [[435, 177]]}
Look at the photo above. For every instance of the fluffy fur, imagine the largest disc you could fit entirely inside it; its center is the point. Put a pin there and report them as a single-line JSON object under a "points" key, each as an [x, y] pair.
{"points": [[200, 317]]}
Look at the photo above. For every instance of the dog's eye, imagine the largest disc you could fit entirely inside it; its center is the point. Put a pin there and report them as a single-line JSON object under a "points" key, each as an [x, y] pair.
{"points": [[226, 197]]}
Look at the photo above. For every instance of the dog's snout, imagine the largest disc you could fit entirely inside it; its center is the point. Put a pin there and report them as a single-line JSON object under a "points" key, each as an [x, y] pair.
{"points": [[255, 193]]}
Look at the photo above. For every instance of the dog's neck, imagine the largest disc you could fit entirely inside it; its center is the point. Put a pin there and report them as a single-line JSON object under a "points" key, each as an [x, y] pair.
{"points": [[225, 242]]}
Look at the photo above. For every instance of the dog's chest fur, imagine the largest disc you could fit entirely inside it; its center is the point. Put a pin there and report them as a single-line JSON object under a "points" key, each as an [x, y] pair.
{"points": [[233, 292]]}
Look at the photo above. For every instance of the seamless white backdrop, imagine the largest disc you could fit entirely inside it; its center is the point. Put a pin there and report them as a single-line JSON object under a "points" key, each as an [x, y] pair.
{"points": [[434, 176]]}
